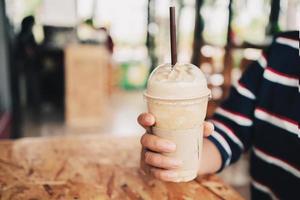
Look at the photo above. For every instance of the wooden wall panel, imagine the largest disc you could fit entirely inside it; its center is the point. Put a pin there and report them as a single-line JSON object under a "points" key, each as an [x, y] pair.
{"points": [[86, 85]]}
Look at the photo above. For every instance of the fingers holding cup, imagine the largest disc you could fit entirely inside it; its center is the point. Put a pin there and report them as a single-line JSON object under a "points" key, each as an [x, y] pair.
{"points": [[161, 161]]}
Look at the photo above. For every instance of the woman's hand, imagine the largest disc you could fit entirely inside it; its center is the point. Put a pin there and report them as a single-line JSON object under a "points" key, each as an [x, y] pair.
{"points": [[162, 167]]}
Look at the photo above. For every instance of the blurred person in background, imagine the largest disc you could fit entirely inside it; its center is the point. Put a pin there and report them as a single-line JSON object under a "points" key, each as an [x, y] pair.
{"points": [[26, 52], [261, 115]]}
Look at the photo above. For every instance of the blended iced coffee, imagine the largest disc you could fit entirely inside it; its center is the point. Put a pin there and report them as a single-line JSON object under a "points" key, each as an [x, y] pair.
{"points": [[177, 97]]}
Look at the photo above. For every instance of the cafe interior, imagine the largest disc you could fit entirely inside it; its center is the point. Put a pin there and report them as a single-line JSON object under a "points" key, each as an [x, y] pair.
{"points": [[79, 68]]}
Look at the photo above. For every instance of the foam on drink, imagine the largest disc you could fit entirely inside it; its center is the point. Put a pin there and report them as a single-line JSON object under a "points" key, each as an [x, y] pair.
{"points": [[166, 81]]}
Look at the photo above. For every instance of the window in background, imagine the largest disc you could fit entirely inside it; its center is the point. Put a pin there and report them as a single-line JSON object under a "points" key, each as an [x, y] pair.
{"points": [[58, 13], [289, 18], [185, 16], [250, 19], [186, 32], [127, 24], [126, 21], [215, 16], [16, 10]]}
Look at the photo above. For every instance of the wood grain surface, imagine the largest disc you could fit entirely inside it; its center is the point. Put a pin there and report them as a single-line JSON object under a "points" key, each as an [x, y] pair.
{"points": [[91, 167]]}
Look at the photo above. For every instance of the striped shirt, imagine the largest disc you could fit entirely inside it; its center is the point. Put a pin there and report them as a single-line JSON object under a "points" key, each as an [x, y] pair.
{"points": [[261, 115]]}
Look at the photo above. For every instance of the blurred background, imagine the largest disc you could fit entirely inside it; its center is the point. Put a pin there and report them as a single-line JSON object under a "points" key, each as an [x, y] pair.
{"points": [[80, 66]]}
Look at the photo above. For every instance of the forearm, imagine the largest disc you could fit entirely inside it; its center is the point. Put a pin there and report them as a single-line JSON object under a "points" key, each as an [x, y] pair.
{"points": [[211, 158]]}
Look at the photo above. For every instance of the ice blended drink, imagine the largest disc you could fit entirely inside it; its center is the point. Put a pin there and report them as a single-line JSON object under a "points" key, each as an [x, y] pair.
{"points": [[177, 97]]}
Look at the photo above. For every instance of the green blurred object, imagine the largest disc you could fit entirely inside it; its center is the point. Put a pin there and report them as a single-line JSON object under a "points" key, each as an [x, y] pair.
{"points": [[89, 22], [134, 75]]}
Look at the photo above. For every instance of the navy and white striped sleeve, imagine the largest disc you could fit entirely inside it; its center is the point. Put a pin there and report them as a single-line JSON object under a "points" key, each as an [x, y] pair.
{"points": [[233, 120]]}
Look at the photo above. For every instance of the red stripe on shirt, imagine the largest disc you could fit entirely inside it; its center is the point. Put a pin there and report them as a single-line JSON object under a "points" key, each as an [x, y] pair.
{"points": [[226, 127], [288, 38], [236, 113], [281, 74], [272, 156], [242, 85], [264, 185], [278, 116]]}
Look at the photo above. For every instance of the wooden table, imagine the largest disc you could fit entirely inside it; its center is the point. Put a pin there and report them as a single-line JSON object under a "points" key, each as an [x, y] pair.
{"points": [[92, 167]]}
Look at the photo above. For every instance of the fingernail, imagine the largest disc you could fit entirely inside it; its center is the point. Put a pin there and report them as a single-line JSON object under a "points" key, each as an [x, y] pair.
{"points": [[148, 119]]}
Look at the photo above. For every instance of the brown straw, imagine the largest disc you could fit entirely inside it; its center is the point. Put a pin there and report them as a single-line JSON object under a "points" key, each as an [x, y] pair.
{"points": [[173, 35]]}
